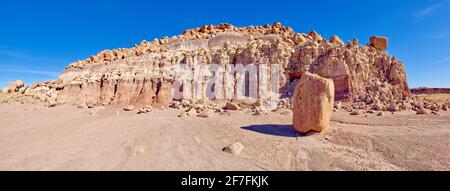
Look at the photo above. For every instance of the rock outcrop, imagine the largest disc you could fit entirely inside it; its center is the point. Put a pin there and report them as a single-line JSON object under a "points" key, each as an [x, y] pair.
{"points": [[149, 73], [313, 103]]}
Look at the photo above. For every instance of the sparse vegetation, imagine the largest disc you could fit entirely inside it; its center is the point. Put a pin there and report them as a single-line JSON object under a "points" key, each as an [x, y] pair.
{"points": [[435, 97]]}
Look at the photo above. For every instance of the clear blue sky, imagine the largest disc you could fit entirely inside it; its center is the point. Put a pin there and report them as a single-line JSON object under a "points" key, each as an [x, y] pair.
{"points": [[38, 38]]}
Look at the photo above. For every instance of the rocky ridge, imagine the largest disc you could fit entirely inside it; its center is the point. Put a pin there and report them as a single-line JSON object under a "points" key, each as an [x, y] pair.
{"points": [[144, 74]]}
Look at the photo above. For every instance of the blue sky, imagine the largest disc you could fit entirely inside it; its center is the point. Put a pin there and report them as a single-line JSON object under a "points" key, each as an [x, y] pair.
{"points": [[38, 38]]}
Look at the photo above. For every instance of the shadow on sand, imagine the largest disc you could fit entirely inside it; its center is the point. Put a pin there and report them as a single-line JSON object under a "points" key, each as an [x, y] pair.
{"points": [[275, 129]]}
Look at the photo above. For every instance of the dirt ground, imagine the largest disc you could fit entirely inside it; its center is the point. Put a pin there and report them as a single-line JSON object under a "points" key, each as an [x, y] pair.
{"points": [[33, 137]]}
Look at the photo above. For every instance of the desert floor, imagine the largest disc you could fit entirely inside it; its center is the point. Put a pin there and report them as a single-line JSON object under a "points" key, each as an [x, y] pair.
{"points": [[33, 137]]}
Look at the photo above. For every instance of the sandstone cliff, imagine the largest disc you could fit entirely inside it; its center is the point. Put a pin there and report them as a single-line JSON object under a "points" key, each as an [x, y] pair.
{"points": [[144, 74]]}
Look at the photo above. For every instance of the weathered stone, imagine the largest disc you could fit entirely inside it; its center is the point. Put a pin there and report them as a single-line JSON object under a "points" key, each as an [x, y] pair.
{"points": [[337, 105], [258, 103], [313, 103], [191, 112], [206, 114], [164, 96], [203, 102], [379, 43], [393, 108], [337, 40], [234, 149], [22, 90], [52, 103], [355, 42], [260, 112], [143, 110], [232, 106], [144, 74], [422, 111], [35, 85], [356, 112], [129, 108]]}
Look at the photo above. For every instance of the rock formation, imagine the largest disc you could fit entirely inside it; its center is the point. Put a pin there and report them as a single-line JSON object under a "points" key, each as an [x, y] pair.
{"points": [[148, 73], [313, 103]]}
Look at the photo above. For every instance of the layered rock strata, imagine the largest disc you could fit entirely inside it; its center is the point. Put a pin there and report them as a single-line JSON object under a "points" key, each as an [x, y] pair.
{"points": [[149, 73]]}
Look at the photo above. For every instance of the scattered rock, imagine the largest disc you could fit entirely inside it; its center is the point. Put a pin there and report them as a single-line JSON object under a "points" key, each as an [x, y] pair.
{"points": [[258, 103], [141, 111], [191, 112], [359, 72], [52, 103], [206, 114], [35, 85], [164, 97], [313, 103], [434, 107], [14, 86], [260, 112], [234, 149], [129, 108], [379, 43], [19, 84], [393, 108], [355, 112], [90, 104], [355, 42], [284, 111], [422, 111], [337, 40], [380, 114], [22, 90], [203, 102], [232, 106], [82, 106]]}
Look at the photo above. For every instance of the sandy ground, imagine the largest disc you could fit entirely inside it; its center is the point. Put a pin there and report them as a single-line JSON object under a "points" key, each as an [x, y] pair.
{"points": [[33, 137]]}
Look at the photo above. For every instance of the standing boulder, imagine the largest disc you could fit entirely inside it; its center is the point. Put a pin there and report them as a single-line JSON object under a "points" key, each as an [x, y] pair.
{"points": [[379, 43], [313, 103]]}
